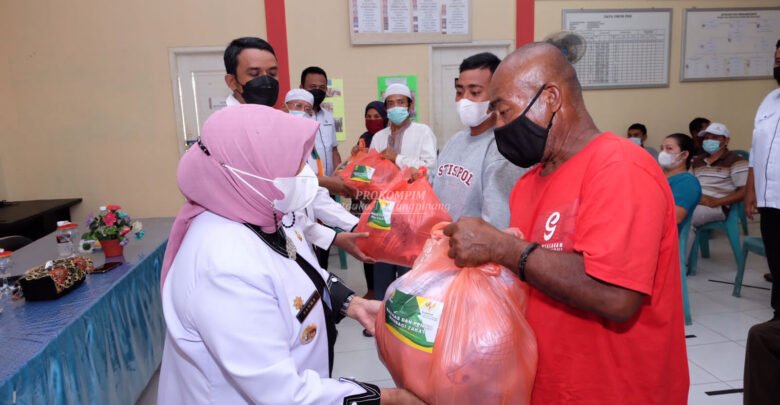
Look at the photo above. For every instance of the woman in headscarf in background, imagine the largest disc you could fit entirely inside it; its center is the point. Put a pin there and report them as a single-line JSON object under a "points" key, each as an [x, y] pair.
{"points": [[250, 316], [376, 120]]}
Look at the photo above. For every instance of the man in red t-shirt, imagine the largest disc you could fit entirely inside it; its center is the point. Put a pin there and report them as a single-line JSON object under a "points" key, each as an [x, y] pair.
{"points": [[601, 251]]}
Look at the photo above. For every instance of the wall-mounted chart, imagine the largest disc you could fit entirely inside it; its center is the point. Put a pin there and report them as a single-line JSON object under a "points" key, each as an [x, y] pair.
{"points": [[409, 21], [728, 44], [625, 48]]}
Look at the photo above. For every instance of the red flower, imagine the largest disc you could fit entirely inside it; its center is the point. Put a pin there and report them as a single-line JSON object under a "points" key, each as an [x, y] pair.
{"points": [[124, 231], [113, 207], [109, 219]]}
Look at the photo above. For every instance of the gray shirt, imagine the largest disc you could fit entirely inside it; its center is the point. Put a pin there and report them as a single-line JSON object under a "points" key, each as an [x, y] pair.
{"points": [[473, 179]]}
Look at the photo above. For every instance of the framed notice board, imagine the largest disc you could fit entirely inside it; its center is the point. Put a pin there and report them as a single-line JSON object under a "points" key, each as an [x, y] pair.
{"points": [[409, 21], [625, 48], [729, 44]]}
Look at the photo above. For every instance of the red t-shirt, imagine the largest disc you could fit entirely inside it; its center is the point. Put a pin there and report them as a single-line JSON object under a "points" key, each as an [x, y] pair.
{"points": [[612, 204]]}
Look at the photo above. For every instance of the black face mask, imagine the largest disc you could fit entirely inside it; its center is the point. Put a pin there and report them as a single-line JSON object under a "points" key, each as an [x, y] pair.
{"points": [[777, 74], [522, 141], [263, 90], [319, 96]]}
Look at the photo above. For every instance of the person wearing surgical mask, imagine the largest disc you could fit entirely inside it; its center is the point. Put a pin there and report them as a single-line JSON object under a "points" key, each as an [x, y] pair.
{"points": [[722, 173], [250, 316], [404, 142], [637, 133], [315, 81], [407, 144], [323, 215], [675, 160], [251, 72], [471, 177]]}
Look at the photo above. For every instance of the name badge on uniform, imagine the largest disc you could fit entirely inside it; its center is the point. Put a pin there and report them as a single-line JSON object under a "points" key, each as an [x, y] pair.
{"points": [[308, 306]]}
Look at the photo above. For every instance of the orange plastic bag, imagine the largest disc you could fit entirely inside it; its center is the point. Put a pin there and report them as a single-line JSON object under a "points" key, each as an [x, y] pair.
{"points": [[458, 336], [400, 220], [348, 165], [369, 172]]}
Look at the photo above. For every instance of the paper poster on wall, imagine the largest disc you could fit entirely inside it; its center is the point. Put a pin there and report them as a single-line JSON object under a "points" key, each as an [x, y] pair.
{"points": [[409, 21], [728, 44], [334, 102], [383, 82]]}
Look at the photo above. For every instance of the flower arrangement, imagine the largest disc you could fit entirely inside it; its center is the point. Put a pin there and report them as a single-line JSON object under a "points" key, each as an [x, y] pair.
{"points": [[112, 223]]}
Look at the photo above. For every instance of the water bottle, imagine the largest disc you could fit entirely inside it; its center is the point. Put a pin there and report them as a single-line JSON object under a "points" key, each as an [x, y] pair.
{"points": [[66, 236]]}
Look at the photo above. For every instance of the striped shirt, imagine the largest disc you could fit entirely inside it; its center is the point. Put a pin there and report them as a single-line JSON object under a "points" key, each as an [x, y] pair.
{"points": [[721, 177]]}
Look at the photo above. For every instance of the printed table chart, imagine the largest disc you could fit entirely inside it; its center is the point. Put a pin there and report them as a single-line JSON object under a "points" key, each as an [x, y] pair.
{"points": [[623, 48]]}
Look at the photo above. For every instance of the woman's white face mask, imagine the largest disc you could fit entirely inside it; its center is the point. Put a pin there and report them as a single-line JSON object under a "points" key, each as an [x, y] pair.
{"points": [[299, 191]]}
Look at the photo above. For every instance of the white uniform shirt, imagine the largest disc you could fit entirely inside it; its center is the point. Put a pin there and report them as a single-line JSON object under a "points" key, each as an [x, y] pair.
{"points": [[325, 140], [765, 152], [233, 337], [418, 146], [327, 211], [330, 213], [231, 100]]}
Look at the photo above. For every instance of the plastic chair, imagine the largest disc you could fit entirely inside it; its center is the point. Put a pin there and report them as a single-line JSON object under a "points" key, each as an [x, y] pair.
{"points": [[751, 244], [686, 229], [742, 216], [702, 239]]}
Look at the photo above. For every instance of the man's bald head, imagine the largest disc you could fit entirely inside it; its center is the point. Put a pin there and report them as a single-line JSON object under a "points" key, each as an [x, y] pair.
{"points": [[530, 67], [541, 70]]}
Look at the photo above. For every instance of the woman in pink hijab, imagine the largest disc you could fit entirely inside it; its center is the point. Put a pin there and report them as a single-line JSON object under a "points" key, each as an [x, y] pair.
{"points": [[250, 316]]}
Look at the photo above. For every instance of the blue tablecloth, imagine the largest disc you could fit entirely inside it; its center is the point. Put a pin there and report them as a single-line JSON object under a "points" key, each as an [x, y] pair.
{"points": [[100, 344]]}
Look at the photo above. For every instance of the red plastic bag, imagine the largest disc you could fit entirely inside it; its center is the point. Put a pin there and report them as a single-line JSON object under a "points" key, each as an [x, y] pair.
{"points": [[369, 172], [348, 165], [400, 220], [458, 336]]}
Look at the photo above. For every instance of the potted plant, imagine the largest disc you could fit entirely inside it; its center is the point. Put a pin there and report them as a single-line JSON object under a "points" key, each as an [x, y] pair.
{"points": [[112, 227]]}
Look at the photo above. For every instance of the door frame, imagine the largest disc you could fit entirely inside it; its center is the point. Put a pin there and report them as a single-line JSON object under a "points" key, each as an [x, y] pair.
{"points": [[173, 53], [509, 44]]}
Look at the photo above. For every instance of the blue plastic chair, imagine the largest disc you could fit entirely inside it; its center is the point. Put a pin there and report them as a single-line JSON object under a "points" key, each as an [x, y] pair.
{"points": [[751, 244], [742, 215], [686, 229], [702, 239]]}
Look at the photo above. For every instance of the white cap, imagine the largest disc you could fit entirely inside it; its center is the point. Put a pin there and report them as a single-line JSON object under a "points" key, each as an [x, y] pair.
{"points": [[62, 223], [397, 89], [299, 95], [716, 128]]}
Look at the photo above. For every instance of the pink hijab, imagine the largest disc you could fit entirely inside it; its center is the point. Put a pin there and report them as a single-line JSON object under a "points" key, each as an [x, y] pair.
{"points": [[252, 138]]}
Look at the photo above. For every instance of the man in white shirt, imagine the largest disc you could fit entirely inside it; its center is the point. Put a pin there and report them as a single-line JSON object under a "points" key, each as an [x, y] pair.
{"points": [[405, 142], [299, 102], [408, 144], [763, 185], [315, 81], [762, 369]]}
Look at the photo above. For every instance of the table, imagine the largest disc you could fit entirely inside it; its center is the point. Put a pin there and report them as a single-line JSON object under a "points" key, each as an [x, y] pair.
{"points": [[100, 344], [34, 219]]}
